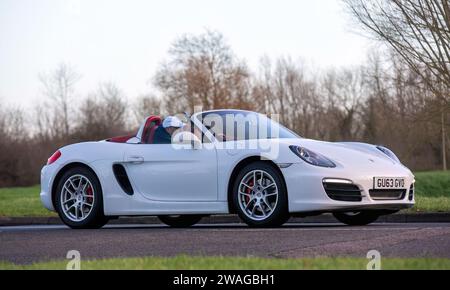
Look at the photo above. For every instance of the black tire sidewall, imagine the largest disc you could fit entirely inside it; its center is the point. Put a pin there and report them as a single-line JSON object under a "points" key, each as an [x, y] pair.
{"points": [[360, 219], [182, 221], [281, 212], [96, 218]]}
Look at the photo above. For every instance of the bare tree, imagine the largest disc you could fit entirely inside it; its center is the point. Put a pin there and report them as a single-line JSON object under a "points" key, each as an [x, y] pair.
{"points": [[115, 106], [147, 105], [59, 87], [14, 151], [202, 70], [102, 114], [344, 91], [285, 89], [419, 31]]}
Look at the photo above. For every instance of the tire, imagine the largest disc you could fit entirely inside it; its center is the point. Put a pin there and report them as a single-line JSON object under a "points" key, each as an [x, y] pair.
{"points": [[180, 221], [263, 205], [361, 218], [79, 199]]}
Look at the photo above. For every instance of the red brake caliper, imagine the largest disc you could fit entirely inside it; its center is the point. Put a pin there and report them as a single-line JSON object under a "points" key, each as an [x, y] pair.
{"points": [[249, 191], [89, 192]]}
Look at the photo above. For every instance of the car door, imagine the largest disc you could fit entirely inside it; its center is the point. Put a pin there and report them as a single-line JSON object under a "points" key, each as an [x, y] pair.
{"points": [[164, 173]]}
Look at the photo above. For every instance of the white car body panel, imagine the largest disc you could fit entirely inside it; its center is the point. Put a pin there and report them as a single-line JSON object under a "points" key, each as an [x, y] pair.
{"points": [[168, 174], [190, 181]]}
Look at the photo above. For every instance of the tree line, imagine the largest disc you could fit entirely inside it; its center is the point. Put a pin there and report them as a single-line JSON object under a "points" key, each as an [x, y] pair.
{"points": [[381, 102]]}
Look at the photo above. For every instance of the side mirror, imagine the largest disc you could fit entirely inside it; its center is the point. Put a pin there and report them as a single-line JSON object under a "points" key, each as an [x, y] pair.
{"points": [[186, 140]]}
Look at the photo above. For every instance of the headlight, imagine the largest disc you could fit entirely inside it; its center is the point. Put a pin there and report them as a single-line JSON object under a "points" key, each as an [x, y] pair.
{"points": [[312, 157], [389, 153]]}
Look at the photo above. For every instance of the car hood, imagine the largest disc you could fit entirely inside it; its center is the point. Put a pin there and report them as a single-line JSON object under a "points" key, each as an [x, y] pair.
{"points": [[350, 155]]}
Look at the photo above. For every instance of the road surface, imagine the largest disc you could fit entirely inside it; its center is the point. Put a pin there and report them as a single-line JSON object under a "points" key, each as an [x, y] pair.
{"points": [[28, 244]]}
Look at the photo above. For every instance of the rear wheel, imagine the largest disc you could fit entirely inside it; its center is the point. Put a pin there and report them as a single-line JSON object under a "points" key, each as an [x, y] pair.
{"points": [[78, 199], [361, 218], [180, 221], [260, 197]]}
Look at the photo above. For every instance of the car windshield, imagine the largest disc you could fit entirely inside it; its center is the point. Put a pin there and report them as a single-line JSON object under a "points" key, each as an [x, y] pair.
{"points": [[243, 125]]}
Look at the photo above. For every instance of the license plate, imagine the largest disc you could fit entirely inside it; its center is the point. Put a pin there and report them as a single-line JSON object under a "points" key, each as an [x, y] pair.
{"points": [[388, 182]]}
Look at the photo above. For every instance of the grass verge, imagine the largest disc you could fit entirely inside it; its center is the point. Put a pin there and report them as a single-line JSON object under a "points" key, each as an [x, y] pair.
{"points": [[433, 184], [430, 204], [22, 202], [237, 263]]}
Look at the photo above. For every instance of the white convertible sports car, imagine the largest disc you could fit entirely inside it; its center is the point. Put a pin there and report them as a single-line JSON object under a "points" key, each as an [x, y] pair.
{"points": [[223, 162]]}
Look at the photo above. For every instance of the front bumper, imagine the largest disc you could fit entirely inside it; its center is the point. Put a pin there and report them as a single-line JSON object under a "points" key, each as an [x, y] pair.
{"points": [[307, 194]]}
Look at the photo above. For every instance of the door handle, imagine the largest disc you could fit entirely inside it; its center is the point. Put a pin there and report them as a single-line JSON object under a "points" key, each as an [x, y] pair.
{"points": [[135, 159]]}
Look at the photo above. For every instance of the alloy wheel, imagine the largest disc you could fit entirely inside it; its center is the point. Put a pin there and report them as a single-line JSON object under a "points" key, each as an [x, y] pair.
{"points": [[258, 195], [77, 198]]}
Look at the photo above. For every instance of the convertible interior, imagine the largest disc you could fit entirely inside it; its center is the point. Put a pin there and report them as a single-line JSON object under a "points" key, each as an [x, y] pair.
{"points": [[151, 124]]}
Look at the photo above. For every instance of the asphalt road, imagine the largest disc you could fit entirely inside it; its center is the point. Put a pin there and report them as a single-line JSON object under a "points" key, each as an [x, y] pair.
{"points": [[29, 244]]}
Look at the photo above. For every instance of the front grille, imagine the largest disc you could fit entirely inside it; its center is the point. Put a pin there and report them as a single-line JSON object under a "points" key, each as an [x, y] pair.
{"points": [[387, 194], [343, 191], [411, 193]]}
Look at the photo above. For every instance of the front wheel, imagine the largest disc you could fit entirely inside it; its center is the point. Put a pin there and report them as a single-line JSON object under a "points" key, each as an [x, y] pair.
{"points": [[180, 221], [361, 218], [260, 196]]}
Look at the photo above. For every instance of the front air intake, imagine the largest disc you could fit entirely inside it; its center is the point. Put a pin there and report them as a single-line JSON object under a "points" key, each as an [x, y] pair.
{"points": [[343, 191], [387, 194], [411, 193], [122, 178]]}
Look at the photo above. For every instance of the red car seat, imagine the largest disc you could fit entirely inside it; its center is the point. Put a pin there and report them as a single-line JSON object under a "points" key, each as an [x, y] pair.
{"points": [[152, 123]]}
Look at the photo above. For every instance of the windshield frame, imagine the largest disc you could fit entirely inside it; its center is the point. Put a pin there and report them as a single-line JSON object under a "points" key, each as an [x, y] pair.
{"points": [[200, 124]]}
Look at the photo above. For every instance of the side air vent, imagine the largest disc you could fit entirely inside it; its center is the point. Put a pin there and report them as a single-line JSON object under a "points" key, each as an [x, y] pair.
{"points": [[122, 178], [343, 191]]}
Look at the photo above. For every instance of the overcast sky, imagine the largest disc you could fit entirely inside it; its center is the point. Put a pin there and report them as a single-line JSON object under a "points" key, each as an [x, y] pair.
{"points": [[124, 41]]}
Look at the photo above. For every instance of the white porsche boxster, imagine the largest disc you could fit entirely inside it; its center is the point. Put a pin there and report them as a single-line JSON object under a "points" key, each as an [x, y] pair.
{"points": [[223, 162]]}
